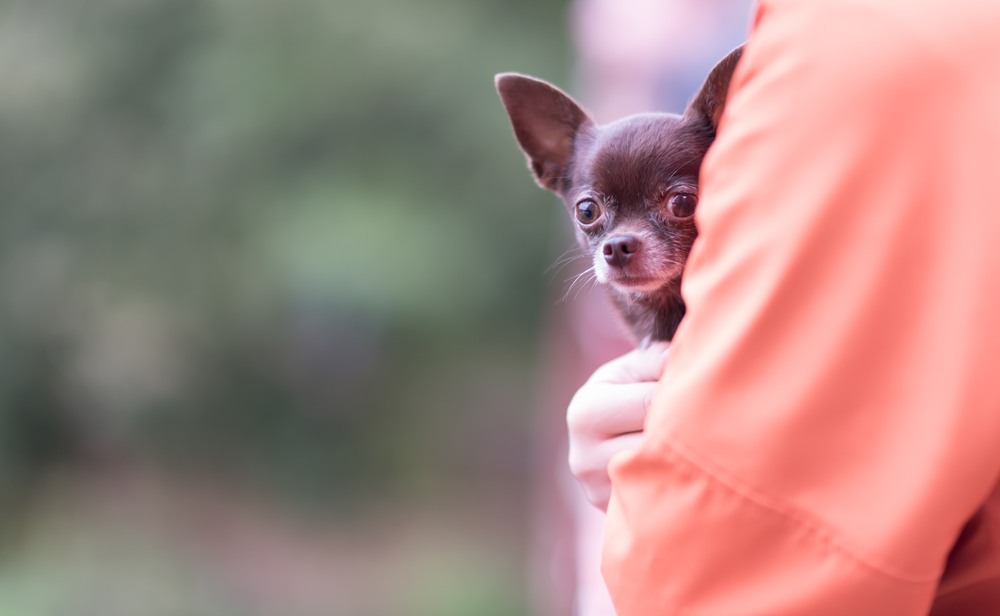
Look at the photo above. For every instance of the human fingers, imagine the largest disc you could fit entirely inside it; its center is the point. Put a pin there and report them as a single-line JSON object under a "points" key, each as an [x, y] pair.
{"points": [[601, 410], [590, 466], [637, 366]]}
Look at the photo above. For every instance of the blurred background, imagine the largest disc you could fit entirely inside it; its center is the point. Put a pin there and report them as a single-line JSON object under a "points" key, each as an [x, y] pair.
{"points": [[275, 324]]}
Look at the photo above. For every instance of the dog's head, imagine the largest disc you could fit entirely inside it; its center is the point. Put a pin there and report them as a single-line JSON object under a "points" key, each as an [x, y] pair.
{"points": [[631, 187]]}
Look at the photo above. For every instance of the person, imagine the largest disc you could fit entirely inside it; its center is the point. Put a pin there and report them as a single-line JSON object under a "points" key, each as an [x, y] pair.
{"points": [[823, 435]]}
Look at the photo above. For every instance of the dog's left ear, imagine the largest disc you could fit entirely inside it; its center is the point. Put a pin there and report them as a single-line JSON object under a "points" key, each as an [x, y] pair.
{"points": [[545, 122], [709, 102]]}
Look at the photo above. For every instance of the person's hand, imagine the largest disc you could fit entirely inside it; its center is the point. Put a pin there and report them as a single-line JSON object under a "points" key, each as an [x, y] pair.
{"points": [[607, 414]]}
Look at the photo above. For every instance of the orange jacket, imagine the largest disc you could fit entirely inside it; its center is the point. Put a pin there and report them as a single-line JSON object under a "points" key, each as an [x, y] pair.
{"points": [[825, 439]]}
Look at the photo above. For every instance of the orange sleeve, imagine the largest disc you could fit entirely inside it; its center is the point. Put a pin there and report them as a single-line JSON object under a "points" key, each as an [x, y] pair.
{"points": [[829, 418]]}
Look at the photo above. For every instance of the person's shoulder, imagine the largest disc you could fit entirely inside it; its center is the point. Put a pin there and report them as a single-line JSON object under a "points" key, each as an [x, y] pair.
{"points": [[873, 47]]}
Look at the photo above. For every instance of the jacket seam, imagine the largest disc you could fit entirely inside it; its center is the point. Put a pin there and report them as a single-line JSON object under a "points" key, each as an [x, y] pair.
{"points": [[793, 514]]}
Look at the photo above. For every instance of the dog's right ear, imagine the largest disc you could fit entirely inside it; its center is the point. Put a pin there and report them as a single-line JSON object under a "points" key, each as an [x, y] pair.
{"points": [[545, 122], [710, 100]]}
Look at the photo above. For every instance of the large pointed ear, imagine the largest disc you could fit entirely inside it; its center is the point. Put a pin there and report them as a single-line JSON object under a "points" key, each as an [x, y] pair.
{"points": [[709, 102], [545, 122]]}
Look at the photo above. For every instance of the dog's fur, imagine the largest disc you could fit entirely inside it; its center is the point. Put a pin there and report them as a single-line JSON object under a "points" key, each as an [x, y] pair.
{"points": [[629, 186]]}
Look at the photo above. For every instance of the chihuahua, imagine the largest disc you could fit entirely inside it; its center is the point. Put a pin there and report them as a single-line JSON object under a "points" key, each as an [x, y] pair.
{"points": [[631, 187]]}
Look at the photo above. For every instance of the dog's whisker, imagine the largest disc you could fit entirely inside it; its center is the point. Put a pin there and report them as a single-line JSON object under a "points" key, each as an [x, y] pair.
{"points": [[589, 270], [561, 265], [563, 258], [586, 281], [592, 279], [576, 279]]}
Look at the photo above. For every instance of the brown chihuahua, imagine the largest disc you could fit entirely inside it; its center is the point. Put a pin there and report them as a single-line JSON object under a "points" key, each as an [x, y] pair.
{"points": [[630, 186]]}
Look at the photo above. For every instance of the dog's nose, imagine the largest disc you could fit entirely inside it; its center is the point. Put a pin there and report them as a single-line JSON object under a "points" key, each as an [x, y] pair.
{"points": [[619, 249]]}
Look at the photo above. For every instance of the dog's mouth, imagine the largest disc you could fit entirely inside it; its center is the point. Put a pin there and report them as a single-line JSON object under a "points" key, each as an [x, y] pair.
{"points": [[632, 283]]}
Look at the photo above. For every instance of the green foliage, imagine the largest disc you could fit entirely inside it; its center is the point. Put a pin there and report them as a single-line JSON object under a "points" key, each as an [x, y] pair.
{"points": [[289, 240]]}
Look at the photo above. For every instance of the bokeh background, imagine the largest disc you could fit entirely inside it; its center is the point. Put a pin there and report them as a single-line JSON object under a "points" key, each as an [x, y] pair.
{"points": [[271, 294], [285, 326]]}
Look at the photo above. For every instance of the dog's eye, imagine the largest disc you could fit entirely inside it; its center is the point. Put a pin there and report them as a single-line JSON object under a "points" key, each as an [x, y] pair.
{"points": [[682, 205], [587, 211]]}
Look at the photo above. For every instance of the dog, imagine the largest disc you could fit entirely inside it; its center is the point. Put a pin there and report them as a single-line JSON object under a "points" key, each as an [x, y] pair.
{"points": [[630, 187]]}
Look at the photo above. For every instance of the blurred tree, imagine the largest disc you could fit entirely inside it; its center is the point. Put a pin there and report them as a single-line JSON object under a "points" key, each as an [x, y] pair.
{"points": [[288, 240]]}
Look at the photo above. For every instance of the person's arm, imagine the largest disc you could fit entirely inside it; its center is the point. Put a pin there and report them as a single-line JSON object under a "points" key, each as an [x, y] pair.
{"points": [[828, 417]]}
